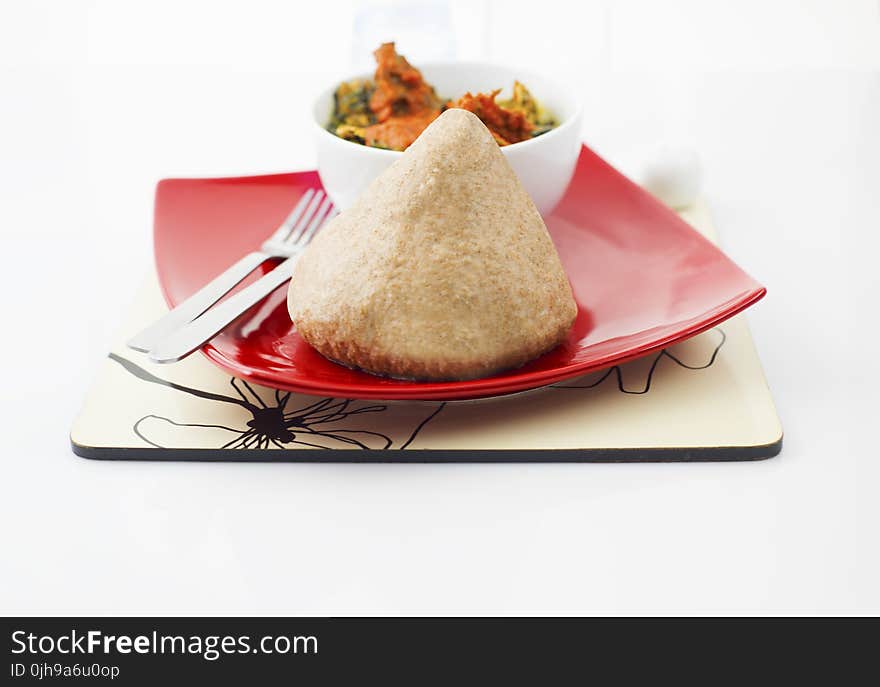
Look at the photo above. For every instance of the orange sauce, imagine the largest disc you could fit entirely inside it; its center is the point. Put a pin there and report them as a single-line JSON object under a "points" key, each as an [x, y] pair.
{"points": [[397, 133], [507, 126], [402, 105], [402, 102]]}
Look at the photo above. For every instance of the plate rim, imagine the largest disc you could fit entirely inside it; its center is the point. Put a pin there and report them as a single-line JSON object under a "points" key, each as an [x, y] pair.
{"points": [[484, 387]]}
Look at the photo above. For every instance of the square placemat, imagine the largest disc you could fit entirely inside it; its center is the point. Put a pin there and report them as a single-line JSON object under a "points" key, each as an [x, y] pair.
{"points": [[703, 399]]}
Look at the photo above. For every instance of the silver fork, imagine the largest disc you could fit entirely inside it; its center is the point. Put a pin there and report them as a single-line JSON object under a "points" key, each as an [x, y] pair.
{"points": [[288, 240], [193, 335]]}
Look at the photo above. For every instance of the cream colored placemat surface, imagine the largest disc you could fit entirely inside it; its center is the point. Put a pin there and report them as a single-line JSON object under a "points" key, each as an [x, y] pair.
{"points": [[704, 399]]}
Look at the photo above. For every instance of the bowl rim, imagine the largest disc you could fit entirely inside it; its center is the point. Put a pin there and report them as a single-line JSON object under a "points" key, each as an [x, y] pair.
{"points": [[522, 75]]}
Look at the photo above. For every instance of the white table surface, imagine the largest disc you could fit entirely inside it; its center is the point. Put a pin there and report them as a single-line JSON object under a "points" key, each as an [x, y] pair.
{"points": [[792, 171]]}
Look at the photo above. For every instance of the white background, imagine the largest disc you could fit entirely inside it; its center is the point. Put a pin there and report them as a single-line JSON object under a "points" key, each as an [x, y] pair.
{"points": [[99, 100]]}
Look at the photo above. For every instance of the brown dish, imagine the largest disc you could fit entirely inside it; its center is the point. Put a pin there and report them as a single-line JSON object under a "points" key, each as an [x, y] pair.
{"points": [[441, 270]]}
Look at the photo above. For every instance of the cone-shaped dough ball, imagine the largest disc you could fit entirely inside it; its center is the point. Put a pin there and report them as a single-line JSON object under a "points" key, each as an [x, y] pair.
{"points": [[442, 269]]}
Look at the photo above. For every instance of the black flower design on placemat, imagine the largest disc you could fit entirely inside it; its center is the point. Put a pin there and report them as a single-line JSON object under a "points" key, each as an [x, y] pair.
{"points": [[283, 420], [618, 371], [325, 423]]}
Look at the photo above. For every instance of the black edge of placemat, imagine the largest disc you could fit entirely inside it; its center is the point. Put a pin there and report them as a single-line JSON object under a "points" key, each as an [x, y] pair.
{"points": [[700, 454]]}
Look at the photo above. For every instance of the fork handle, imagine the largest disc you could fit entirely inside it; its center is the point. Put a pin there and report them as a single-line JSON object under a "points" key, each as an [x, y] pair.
{"points": [[188, 310], [198, 332]]}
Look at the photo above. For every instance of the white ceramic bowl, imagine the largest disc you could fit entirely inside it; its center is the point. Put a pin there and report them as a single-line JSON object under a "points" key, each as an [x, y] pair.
{"points": [[544, 164]]}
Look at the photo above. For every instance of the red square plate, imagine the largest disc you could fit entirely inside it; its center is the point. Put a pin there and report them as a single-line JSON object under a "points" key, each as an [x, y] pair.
{"points": [[642, 277]]}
